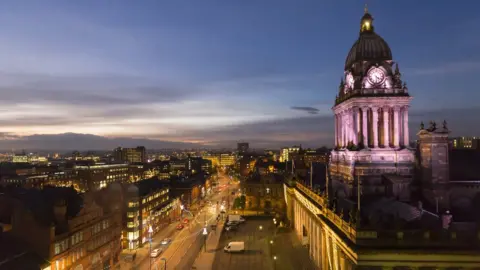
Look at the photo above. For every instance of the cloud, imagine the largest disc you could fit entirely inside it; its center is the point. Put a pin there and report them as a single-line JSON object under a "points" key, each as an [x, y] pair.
{"points": [[94, 90], [309, 110], [310, 131], [446, 68]]}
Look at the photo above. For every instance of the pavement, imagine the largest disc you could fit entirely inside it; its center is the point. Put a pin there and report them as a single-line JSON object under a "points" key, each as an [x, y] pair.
{"points": [[206, 258], [290, 253]]}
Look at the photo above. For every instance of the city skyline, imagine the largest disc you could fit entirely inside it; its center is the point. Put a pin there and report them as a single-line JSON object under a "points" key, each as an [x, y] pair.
{"points": [[214, 73]]}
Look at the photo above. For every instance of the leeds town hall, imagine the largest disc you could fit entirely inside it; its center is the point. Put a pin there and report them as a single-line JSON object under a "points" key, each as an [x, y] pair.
{"points": [[384, 203]]}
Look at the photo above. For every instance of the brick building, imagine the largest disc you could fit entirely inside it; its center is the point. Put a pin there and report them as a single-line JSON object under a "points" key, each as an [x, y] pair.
{"points": [[66, 229]]}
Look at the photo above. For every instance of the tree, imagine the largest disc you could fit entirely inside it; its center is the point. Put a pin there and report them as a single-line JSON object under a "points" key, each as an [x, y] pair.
{"points": [[237, 203], [243, 201]]}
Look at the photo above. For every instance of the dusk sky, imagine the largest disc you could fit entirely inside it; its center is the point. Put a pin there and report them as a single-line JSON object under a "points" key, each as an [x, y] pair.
{"points": [[218, 72]]}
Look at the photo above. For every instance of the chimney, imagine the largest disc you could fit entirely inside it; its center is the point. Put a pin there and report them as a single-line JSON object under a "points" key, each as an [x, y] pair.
{"points": [[60, 211]]}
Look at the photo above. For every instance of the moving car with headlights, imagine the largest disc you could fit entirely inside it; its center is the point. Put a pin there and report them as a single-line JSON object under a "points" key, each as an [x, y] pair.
{"points": [[156, 252], [166, 241]]}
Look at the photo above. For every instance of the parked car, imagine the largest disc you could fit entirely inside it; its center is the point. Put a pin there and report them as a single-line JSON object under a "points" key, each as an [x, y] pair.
{"points": [[233, 223], [231, 228], [156, 252], [166, 241], [185, 221], [179, 226]]}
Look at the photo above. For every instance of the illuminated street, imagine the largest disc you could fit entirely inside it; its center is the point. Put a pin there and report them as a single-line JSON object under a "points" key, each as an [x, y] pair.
{"points": [[187, 242]]}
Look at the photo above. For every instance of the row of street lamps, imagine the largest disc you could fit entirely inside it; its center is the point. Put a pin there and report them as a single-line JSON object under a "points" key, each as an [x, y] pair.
{"points": [[204, 233]]}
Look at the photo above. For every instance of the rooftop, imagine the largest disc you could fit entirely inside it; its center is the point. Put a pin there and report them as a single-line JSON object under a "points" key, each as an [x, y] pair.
{"points": [[147, 186], [14, 254]]}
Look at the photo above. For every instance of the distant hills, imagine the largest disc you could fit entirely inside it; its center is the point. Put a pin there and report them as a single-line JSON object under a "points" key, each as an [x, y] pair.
{"points": [[84, 142]]}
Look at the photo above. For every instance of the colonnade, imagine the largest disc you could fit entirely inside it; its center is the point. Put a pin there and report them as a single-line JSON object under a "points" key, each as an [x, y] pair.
{"points": [[373, 126], [323, 247]]}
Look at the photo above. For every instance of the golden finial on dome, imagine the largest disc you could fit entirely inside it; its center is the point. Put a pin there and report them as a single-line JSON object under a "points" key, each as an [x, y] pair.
{"points": [[365, 8]]}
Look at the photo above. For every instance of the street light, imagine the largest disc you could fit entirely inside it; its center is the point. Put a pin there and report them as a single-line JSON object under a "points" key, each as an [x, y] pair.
{"points": [[150, 231], [260, 227], [274, 262], [165, 261], [205, 233]]}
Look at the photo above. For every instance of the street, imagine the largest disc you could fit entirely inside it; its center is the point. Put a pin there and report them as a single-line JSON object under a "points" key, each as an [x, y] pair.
{"points": [[187, 242]]}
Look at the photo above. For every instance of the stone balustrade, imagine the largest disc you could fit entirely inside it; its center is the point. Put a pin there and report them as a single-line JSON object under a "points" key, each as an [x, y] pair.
{"points": [[399, 237]]}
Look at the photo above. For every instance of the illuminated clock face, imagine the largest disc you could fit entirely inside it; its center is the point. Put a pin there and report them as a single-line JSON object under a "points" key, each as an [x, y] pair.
{"points": [[350, 81], [376, 76]]}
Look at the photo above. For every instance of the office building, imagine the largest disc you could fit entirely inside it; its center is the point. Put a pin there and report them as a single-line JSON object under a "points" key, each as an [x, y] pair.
{"points": [[130, 155]]}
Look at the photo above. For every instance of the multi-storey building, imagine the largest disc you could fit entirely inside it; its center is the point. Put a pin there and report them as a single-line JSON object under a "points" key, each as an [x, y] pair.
{"points": [[315, 156], [190, 189], [466, 143], [98, 176], [147, 204], [57, 179], [214, 159], [242, 147], [68, 230], [130, 155], [177, 165], [206, 165], [264, 192], [227, 160], [246, 165], [139, 171], [286, 153]]}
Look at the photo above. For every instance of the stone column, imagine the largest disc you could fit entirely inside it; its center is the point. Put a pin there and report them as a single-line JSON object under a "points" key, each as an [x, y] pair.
{"points": [[375, 127], [396, 129], [345, 128], [336, 130], [406, 135], [339, 130], [357, 126], [350, 125], [386, 138], [365, 126], [342, 129]]}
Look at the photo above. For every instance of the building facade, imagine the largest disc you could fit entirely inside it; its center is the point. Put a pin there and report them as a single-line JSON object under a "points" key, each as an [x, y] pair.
{"points": [[147, 204], [472, 143], [90, 239], [130, 155], [227, 160], [264, 193], [242, 147], [286, 153], [371, 118], [56, 179], [98, 176], [365, 218]]}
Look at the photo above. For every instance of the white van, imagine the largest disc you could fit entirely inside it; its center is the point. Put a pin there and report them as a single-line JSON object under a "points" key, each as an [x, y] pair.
{"points": [[235, 247]]}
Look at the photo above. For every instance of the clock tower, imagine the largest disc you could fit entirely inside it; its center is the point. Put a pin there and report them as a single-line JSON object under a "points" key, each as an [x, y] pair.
{"points": [[372, 154]]}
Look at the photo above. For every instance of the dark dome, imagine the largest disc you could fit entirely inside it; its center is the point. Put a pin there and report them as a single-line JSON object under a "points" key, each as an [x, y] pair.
{"points": [[368, 47]]}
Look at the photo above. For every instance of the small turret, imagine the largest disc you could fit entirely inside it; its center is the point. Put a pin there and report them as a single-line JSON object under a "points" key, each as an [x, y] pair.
{"points": [[341, 88], [397, 76]]}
